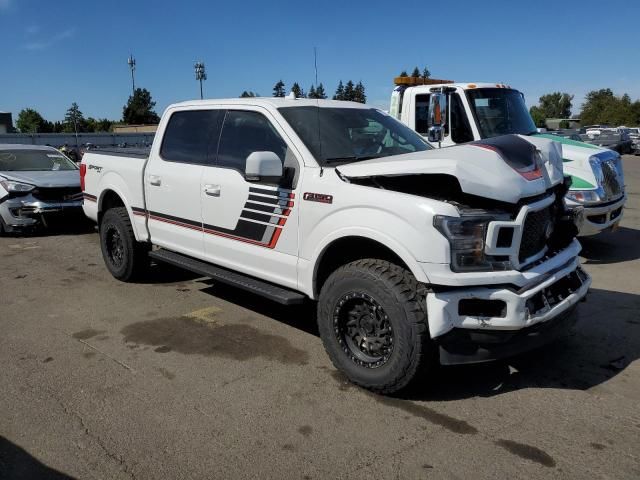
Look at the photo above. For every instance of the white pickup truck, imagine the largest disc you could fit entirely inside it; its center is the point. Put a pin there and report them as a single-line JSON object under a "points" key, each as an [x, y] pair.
{"points": [[478, 111], [464, 254]]}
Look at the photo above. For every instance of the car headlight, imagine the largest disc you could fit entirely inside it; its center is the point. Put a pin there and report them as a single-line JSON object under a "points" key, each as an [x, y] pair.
{"points": [[466, 236], [16, 187], [583, 196]]}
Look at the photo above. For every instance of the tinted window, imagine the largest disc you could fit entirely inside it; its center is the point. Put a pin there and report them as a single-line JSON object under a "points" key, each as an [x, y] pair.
{"points": [[341, 135], [244, 133], [460, 128], [192, 136]]}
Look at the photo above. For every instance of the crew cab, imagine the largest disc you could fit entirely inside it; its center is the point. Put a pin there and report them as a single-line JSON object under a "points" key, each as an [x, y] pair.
{"points": [[478, 111], [413, 254]]}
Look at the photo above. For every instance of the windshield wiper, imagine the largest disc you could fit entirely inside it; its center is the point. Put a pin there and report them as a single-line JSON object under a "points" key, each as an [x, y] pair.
{"points": [[352, 158]]}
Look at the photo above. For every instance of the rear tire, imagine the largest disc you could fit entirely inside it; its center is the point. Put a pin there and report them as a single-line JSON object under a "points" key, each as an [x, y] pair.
{"points": [[125, 258], [372, 320]]}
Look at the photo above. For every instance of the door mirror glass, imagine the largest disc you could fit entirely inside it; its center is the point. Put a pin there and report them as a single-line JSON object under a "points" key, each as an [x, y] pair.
{"points": [[263, 166], [437, 116]]}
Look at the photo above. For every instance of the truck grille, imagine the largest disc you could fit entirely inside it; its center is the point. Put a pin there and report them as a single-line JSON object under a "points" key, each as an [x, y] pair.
{"points": [[535, 233], [58, 194], [610, 182]]}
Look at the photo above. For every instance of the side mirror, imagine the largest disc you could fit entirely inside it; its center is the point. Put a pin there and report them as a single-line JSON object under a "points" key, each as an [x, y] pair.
{"points": [[263, 166], [437, 116]]}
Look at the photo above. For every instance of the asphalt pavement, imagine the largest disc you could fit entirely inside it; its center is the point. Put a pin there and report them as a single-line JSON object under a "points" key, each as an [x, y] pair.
{"points": [[181, 378]]}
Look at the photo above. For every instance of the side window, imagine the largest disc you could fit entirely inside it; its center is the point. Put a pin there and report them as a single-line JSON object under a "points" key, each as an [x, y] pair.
{"points": [[422, 115], [191, 136], [246, 132], [460, 128]]}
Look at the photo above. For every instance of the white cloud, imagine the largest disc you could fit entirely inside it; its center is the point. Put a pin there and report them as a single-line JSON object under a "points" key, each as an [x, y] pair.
{"points": [[42, 44]]}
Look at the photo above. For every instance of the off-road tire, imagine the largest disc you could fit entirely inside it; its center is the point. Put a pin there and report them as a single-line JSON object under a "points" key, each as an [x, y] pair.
{"points": [[133, 259], [402, 299]]}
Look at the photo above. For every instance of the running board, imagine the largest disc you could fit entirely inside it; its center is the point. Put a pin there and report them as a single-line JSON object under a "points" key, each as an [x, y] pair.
{"points": [[223, 275]]}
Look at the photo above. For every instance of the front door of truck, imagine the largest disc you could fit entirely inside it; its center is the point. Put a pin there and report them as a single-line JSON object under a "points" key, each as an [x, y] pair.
{"points": [[457, 129], [251, 226], [173, 176]]}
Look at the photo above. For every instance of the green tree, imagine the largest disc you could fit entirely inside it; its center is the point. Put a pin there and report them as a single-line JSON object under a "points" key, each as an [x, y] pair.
{"points": [[556, 105], [139, 109], [297, 90], [426, 73], [538, 117], [416, 73], [103, 125], [74, 120], [603, 107], [339, 95], [404, 73], [30, 121], [349, 91], [278, 89], [320, 93], [248, 94], [312, 92], [358, 93]]}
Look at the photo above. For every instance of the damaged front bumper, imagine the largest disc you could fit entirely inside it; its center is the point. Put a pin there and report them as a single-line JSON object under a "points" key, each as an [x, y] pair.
{"points": [[27, 212], [598, 218], [478, 324]]}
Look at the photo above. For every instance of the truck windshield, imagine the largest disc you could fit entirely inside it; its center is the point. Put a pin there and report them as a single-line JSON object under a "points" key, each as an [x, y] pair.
{"points": [[500, 111], [344, 135], [34, 161]]}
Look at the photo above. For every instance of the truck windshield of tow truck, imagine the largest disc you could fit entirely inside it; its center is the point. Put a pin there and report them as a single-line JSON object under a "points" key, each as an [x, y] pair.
{"points": [[344, 135], [500, 111]]}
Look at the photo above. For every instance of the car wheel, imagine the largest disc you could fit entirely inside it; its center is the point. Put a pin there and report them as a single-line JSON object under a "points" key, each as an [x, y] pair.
{"points": [[373, 323], [125, 258]]}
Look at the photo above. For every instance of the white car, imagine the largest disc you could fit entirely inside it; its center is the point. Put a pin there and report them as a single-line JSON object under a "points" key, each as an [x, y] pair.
{"points": [[464, 254]]}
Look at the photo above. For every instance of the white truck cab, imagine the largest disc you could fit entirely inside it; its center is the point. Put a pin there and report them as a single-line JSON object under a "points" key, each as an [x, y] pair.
{"points": [[477, 111], [412, 253]]}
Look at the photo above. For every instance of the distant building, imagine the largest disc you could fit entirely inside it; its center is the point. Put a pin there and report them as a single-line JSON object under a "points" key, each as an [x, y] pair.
{"points": [[135, 128], [554, 123], [6, 122]]}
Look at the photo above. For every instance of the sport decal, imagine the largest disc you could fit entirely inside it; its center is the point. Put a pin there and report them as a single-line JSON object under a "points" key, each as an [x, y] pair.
{"points": [[263, 216]]}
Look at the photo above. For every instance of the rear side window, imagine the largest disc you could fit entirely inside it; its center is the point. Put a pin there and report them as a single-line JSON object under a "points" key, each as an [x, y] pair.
{"points": [[192, 136], [246, 132]]}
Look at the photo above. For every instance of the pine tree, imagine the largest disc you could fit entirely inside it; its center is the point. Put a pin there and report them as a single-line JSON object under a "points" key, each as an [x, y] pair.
{"points": [[312, 92], [404, 73], [74, 121], [320, 93], [139, 109], [278, 89], [358, 93], [426, 73], [339, 92], [349, 91], [248, 94], [416, 73], [297, 91]]}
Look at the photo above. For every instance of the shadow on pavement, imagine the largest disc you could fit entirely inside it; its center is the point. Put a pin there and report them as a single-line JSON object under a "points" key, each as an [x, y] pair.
{"points": [[611, 247], [603, 343], [17, 464]]}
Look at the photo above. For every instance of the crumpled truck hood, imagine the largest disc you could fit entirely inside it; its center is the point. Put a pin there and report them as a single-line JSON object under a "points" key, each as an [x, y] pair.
{"points": [[45, 179], [479, 171]]}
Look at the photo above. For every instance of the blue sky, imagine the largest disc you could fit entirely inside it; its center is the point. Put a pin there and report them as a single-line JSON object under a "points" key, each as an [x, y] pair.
{"points": [[58, 52]]}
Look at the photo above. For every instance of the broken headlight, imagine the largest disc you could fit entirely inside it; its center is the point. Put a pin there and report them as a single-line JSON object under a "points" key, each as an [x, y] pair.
{"points": [[466, 236]]}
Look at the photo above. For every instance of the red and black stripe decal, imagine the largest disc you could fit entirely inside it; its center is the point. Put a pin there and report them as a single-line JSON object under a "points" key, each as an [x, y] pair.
{"points": [[87, 196], [263, 216]]}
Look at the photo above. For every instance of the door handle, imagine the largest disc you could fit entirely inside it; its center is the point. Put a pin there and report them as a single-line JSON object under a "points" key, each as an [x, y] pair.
{"points": [[155, 180], [213, 190]]}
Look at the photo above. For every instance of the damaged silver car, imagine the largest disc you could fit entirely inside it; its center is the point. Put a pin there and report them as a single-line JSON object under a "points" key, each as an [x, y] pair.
{"points": [[37, 183]]}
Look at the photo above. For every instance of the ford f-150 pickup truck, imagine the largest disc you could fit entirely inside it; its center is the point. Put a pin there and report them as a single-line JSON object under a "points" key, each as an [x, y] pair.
{"points": [[484, 110], [413, 254]]}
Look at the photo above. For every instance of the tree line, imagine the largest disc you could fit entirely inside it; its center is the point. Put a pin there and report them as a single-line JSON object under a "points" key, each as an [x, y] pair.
{"points": [[138, 110], [351, 92], [601, 107]]}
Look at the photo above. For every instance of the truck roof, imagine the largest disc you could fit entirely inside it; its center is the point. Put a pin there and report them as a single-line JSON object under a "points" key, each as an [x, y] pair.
{"points": [[462, 85], [276, 102]]}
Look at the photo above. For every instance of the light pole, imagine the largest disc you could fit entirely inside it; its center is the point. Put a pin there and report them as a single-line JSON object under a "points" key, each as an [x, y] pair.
{"points": [[132, 65], [200, 75]]}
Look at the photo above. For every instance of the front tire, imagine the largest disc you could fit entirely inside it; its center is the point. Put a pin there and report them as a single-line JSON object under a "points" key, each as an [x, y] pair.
{"points": [[125, 258], [373, 324]]}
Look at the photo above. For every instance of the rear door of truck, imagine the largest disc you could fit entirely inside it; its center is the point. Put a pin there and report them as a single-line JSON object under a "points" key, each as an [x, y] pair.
{"points": [[172, 179]]}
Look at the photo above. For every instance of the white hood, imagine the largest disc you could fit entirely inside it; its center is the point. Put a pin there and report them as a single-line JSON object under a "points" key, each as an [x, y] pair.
{"points": [[480, 171]]}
